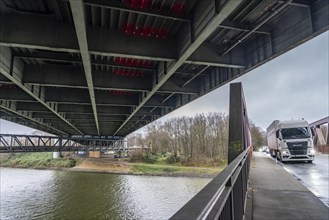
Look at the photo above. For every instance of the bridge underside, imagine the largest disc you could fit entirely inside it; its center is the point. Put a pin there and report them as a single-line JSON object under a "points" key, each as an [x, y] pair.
{"points": [[110, 67]]}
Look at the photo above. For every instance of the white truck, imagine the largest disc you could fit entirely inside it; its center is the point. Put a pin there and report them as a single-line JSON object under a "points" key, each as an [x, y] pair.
{"points": [[290, 140]]}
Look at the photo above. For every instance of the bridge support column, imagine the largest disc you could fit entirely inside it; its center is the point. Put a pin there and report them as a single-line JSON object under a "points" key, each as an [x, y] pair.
{"points": [[327, 138], [321, 140], [239, 131], [57, 154], [320, 137]]}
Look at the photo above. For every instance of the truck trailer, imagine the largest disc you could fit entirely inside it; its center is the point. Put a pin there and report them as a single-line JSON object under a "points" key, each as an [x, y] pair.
{"points": [[290, 140]]}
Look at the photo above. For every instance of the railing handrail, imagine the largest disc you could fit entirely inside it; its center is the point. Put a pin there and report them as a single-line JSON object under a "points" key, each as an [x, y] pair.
{"points": [[202, 203]]}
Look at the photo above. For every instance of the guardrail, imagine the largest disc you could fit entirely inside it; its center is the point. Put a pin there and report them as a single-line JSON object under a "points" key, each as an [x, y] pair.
{"points": [[225, 197]]}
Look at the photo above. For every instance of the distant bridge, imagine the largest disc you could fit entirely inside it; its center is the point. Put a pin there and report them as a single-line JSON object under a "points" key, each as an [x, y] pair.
{"points": [[10, 143]]}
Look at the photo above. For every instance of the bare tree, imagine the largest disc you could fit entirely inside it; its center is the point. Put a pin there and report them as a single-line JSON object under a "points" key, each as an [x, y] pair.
{"points": [[204, 135]]}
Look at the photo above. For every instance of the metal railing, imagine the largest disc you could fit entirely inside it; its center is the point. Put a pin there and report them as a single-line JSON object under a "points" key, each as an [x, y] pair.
{"points": [[11, 143], [225, 197]]}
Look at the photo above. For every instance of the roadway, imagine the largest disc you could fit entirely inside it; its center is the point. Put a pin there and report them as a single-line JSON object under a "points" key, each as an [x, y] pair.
{"points": [[274, 193], [314, 176]]}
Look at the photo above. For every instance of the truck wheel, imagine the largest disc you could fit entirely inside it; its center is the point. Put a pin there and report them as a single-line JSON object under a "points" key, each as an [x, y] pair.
{"points": [[271, 152]]}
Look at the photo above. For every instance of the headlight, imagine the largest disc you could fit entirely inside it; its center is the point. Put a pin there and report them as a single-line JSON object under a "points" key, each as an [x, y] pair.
{"points": [[309, 143], [311, 151], [285, 152]]}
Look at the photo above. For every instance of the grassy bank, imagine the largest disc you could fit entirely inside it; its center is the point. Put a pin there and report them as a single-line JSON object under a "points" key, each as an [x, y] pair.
{"points": [[154, 164], [155, 169], [44, 160], [40, 160]]}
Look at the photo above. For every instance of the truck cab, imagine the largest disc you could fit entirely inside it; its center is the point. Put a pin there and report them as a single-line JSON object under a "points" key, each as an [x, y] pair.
{"points": [[291, 141]]}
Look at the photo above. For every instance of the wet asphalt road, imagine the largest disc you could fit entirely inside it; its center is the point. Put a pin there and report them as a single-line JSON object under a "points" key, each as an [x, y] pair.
{"points": [[315, 176]]}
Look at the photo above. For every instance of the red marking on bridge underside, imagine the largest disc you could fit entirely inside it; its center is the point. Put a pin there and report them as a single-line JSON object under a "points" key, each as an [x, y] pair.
{"points": [[133, 62], [120, 92], [129, 72], [147, 31], [178, 8], [138, 4], [8, 86]]}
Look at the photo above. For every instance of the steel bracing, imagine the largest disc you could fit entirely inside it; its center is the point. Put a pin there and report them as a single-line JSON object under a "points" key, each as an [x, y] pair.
{"points": [[98, 67], [10, 143]]}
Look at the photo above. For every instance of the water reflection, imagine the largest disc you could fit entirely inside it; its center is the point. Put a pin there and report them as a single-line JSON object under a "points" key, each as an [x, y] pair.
{"points": [[36, 194], [25, 193]]}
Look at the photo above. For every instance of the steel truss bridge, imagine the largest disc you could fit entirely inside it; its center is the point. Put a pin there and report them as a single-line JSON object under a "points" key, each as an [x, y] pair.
{"points": [[98, 67], [10, 143]]}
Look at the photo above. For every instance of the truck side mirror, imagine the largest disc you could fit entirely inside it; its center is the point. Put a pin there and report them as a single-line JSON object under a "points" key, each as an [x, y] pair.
{"points": [[312, 131], [277, 134]]}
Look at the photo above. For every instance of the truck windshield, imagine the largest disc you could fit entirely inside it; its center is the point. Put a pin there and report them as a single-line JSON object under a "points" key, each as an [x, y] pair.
{"points": [[295, 133]]}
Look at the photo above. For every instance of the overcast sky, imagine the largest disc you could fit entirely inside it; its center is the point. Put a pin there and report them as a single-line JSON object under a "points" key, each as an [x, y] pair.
{"points": [[292, 86]]}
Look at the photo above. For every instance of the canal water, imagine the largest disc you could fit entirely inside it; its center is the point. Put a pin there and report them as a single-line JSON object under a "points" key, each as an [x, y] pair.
{"points": [[48, 194]]}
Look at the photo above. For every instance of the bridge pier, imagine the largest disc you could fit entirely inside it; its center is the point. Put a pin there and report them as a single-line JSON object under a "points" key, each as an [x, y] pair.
{"points": [[57, 154], [321, 139], [327, 138]]}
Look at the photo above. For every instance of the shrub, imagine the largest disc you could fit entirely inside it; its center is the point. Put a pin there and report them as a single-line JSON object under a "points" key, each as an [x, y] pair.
{"points": [[149, 158], [136, 156], [38, 160], [203, 161], [71, 162], [172, 159]]}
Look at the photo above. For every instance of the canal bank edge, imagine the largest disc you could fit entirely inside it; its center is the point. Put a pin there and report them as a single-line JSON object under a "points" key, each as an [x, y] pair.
{"points": [[45, 161]]}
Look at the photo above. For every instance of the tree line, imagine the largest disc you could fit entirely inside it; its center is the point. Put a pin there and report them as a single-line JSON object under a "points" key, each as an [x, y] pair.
{"points": [[201, 136]]}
